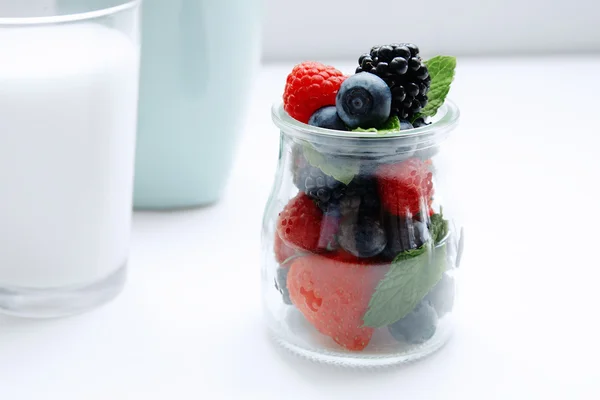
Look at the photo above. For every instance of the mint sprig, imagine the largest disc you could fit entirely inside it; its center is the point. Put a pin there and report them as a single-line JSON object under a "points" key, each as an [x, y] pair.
{"points": [[391, 125], [441, 70], [438, 227], [341, 170], [411, 276]]}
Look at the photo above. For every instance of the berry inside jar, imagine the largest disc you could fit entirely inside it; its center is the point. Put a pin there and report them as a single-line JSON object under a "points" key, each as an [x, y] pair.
{"points": [[362, 249]]}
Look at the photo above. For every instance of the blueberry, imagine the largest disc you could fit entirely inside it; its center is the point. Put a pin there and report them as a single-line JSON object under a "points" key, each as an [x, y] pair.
{"points": [[441, 297], [281, 284], [363, 237], [405, 125], [364, 100], [327, 117], [418, 326]]}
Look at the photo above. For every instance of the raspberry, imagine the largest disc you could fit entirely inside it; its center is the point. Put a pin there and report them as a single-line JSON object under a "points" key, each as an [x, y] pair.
{"points": [[310, 86], [299, 224], [282, 250], [334, 294], [405, 187]]}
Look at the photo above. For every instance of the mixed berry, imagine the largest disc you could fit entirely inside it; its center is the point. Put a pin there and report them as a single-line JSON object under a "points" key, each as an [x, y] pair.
{"points": [[360, 246]]}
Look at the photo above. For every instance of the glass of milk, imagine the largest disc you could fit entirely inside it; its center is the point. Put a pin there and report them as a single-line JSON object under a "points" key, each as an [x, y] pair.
{"points": [[68, 115]]}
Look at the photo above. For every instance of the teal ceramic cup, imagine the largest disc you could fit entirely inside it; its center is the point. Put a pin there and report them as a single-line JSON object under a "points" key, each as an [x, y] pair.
{"points": [[199, 58]]}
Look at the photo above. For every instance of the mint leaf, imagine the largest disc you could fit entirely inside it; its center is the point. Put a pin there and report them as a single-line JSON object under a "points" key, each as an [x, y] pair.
{"points": [[359, 129], [438, 227], [391, 125], [410, 254], [341, 170], [441, 70], [412, 275]]}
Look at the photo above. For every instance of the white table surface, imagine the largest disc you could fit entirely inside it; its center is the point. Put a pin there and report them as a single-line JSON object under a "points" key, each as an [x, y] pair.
{"points": [[188, 325]]}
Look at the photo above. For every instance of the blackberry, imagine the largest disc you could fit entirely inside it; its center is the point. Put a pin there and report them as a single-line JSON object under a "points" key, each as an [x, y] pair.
{"points": [[363, 237], [320, 187], [401, 67], [403, 234], [361, 229], [360, 198]]}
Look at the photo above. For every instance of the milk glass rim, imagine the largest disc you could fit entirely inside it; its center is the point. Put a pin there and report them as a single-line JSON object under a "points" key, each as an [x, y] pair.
{"points": [[445, 120], [68, 18]]}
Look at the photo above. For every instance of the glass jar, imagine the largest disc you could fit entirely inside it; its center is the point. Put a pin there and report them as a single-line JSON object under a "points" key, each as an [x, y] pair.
{"points": [[360, 248]]}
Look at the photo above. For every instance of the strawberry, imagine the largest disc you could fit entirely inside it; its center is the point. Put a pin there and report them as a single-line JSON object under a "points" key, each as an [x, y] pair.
{"points": [[333, 294], [310, 86], [405, 187]]}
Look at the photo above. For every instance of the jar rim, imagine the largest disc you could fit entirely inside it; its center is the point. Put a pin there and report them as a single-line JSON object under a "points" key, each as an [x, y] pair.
{"points": [[445, 119], [68, 18]]}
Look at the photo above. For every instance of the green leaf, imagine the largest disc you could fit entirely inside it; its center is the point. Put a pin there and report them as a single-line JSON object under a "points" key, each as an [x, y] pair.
{"points": [[412, 275], [410, 254], [438, 227], [341, 170], [391, 125], [441, 70]]}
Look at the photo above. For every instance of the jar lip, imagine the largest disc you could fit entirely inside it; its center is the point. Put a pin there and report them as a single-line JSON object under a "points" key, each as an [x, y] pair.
{"points": [[446, 118]]}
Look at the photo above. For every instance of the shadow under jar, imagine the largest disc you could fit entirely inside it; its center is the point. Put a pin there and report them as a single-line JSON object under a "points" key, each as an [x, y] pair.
{"points": [[360, 248]]}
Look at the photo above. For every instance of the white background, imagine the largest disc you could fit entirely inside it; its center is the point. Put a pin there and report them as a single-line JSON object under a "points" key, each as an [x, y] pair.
{"points": [[299, 30]]}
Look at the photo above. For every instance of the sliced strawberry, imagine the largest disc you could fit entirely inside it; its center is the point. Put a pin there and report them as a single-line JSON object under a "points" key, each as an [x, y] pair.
{"points": [[334, 294]]}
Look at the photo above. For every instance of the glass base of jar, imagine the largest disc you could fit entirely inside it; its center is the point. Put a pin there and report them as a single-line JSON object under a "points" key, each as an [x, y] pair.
{"points": [[317, 348], [61, 302]]}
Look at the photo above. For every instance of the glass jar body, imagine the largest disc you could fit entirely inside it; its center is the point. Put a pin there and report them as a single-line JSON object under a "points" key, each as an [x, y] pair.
{"points": [[360, 250]]}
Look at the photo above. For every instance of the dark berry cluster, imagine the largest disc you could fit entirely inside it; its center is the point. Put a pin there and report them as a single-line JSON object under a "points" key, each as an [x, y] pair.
{"points": [[403, 70], [366, 229], [322, 188]]}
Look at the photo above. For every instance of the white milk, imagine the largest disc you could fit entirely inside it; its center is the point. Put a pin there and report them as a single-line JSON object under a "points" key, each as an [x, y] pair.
{"points": [[68, 104]]}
